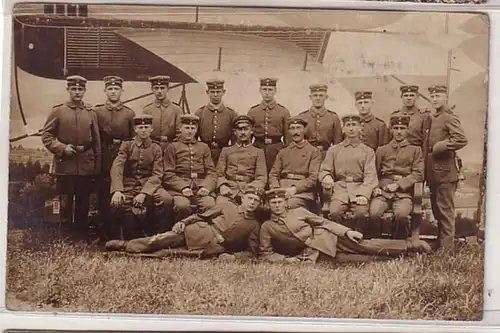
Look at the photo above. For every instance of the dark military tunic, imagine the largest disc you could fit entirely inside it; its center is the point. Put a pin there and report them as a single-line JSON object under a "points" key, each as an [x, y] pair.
{"points": [[324, 128], [297, 165], [270, 129], [420, 120], [374, 132], [166, 120], [241, 166], [216, 127]]}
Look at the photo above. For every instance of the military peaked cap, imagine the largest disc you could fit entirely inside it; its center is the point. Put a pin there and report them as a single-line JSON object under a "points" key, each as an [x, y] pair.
{"points": [[363, 95], [400, 120], [297, 120], [276, 193], [268, 82], [76, 81], [112, 80], [438, 89], [143, 119], [160, 80], [255, 190], [215, 84], [190, 119], [243, 119], [351, 117], [409, 88], [318, 87]]}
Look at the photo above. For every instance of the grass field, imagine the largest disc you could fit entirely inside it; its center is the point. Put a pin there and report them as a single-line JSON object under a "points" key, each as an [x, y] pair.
{"points": [[51, 275]]}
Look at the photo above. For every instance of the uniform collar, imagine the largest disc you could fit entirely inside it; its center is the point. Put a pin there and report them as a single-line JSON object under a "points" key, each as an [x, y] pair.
{"points": [[242, 145], [441, 110], [369, 117], [352, 142], [315, 112], [186, 141], [406, 110], [143, 143], [215, 108], [298, 144], [396, 144], [117, 106], [166, 102], [279, 218], [268, 106], [74, 105]]}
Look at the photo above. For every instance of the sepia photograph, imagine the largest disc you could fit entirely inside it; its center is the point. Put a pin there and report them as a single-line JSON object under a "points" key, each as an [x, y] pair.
{"points": [[283, 162]]}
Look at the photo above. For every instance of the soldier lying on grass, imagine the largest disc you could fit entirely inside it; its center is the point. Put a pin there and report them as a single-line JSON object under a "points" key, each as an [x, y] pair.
{"points": [[226, 228], [298, 235]]}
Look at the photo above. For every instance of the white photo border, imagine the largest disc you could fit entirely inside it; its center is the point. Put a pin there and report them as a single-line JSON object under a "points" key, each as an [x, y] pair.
{"points": [[131, 322]]}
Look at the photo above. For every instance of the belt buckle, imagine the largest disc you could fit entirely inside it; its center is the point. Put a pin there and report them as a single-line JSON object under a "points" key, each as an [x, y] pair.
{"points": [[349, 179], [194, 175], [268, 141], [239, 178], [214, 144]]}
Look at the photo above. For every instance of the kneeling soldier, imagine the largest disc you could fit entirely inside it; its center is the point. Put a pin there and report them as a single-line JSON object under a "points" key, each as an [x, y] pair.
{"points": [[296, 167], [226, 228], [349, 169], [190, 175], [240, 165], [399, 166], [135, 179], [299, 235]]}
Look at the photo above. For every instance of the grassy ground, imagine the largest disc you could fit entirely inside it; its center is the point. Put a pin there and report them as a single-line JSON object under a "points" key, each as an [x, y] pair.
{"points": [[47, 274]]}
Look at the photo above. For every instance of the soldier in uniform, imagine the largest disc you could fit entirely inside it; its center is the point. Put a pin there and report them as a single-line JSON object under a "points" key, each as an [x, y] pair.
{"points": [[216, 120], [240, 165], [446, 136], [271, 122], [324, 127], [349, 171], [135, 182], [420, 118], [296, 168], [71, 134], [225, 228], [297, 235], [116, 123], [166, 114], [400, 166], [190, 174], [374, 131]]}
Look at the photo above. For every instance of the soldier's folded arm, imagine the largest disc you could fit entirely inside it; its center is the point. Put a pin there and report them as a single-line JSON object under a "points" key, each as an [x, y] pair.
{"points": [[210, 181], [274, 175], [170, 178], [370, 178], [116, 172], [457, 138], [417, 171], [221, 168], [326, 167], [49, 138], [154, 181], [312, 177], [261, 178]]}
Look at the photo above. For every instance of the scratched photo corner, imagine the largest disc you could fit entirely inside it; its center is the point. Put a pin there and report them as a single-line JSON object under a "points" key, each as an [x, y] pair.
{"points": [[247, 161]]}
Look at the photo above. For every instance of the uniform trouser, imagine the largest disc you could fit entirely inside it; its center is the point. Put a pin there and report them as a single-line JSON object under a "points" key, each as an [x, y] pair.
{"points": [[296, 202], [104, 200], [270, 152], [183, 209], [401, 208], [443, 209], [360, 212], [78, 189]]}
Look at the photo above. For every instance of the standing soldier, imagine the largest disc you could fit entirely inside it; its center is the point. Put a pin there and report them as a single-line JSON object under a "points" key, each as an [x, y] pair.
{"points": [[446, 136], [420, 118], [400, 166], [324, 127], [136, 185], [216, 120], [166, 114], [374, 131], [116, 123], [71, 133], [190, 175], [271, 121], [296, 168], [349, 171], [240, 165]]}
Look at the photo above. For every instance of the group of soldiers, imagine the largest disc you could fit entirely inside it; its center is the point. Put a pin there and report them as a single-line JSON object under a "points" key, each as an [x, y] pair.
{"points": [[222, 183]]}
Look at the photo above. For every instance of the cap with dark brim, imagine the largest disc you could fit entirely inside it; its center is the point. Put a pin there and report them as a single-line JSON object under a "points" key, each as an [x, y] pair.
{"points": [[76, 81], [243, 119], [215, 84], [318, 88], [438, 89], [400, 120], [409, 89], [360, 95], [268, 82], [351, 117], [112, 80], [143, 119], [190, 119], [276, 193], [297, 120], [160, 80]]}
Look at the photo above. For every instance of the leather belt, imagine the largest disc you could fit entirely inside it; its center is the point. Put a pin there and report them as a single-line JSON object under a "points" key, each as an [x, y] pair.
{"points": [[239, 178], [269, 141], [192, 175], [80, 148], [215, 144], [293, 176], [393, 177], [349, 179]]}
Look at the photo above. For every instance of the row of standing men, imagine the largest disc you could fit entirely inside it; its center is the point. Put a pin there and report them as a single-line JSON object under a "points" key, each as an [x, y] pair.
{"points": [[113, 123]]}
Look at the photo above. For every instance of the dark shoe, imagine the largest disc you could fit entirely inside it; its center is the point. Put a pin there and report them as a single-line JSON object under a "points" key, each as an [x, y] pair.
{"points": [[115, 245]]}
